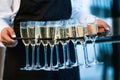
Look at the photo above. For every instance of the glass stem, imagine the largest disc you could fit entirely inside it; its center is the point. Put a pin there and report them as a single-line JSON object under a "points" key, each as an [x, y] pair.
{"points": [[27, 55], [51, 56], [38, 55], [64, 55], [76, 56], [57, 54], [45, 55], [95, 56], [33, 55], [68, 53], [83, 42], [85, 54]]}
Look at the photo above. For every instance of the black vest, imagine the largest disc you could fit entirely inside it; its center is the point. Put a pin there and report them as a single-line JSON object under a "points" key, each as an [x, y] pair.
{"points": [[42, 10]]}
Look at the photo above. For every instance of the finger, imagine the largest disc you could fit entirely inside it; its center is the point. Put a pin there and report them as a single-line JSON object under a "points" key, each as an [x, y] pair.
{"points": [[6, 37], [104, 25], [101, 29], [11, 33], [10, 44]]}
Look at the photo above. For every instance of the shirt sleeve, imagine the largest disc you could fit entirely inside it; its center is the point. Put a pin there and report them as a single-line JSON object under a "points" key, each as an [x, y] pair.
{"points": [[80, 9], [5, 13]]}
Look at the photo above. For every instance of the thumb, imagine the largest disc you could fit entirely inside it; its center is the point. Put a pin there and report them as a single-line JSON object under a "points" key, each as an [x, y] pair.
{"points": [[11, 32], [12, 35]]}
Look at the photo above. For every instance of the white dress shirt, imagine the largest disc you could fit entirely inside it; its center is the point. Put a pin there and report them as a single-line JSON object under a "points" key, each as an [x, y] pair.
{"points": [[9, 8]]}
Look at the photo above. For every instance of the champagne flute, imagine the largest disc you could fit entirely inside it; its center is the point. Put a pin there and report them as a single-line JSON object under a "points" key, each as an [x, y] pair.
{"points": [[44, 33], [83, 41], [24, 34], [51, 34], [92, 29], [71, 33], [61, 33], [78, 33], [31, 34], [37, 42], [57, 25]]}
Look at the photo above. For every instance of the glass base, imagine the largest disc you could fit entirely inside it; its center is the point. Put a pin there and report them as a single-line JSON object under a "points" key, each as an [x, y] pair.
{"points": [[85, 66], [75, 64], [69, 64], [57, 67], [37, 67], [46, 68], [96, 63], [27, 68]]}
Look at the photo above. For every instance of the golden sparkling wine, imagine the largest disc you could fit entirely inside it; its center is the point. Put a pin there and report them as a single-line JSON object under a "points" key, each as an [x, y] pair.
{"points": [[23, 32], [71, 31], [47, 32], [31, 34], [92, 29], [79, 31]]}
